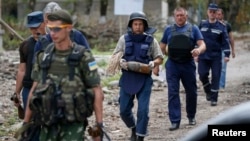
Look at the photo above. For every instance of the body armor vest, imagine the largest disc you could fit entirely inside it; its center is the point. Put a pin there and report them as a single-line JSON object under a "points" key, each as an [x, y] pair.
{"points": [[180, 45], [62, 95], [137, 48]]}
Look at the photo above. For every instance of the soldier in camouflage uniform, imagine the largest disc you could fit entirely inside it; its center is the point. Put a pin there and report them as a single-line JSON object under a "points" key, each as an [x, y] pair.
{"points": [[69, 126]]}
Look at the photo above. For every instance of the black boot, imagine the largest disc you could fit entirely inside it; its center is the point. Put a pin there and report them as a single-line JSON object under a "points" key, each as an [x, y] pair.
{"points": [[133, 135], [139, 138], [174, 126], [207, 90]]}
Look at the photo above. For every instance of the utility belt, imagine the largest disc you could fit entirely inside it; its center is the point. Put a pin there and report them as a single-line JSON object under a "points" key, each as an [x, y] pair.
{"points": [[53, 105]]}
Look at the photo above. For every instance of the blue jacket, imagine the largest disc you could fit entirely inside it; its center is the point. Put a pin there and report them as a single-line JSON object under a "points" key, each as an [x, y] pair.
{"points": [[216, 39], [75, 36]]}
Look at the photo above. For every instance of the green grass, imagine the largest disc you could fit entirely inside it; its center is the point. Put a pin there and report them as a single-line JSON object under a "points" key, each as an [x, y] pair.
{"points": [[106, 81]]}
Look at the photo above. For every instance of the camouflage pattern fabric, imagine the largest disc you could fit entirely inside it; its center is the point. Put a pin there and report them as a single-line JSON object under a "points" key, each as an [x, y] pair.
{"points": [[86, 77], [69, 132]]}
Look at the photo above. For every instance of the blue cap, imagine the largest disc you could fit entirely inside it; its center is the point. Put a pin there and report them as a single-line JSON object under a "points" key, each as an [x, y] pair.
{"points": [[34, 19], [212, 6]]}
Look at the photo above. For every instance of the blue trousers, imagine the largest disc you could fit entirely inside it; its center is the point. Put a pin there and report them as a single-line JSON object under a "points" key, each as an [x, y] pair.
{"points": [[210, 86], [127, 103], [25, 94], [186, 73], [223, 72]]}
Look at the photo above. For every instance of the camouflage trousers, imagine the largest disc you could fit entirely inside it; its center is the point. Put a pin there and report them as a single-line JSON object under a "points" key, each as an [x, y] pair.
{"points": [[63, 132]]}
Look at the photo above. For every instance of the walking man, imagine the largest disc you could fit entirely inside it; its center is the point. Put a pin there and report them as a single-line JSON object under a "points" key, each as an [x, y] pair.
{"points": [[64, 75], [36, 25], [220, 17], [216, 39], [179, 42], [140, 55]]}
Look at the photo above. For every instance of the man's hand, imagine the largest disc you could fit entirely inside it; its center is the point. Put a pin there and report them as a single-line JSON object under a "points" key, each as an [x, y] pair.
{"points": [[123, 64], [16, 99], [195, 52], [226, 59], [96, 132], [151, 64]]}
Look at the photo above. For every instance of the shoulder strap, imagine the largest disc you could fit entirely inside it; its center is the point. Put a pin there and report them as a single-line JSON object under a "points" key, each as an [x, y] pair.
{"points": [[44, 41], [190, 27], [46, 60], [74, 59], [150, 41], [72, 32], [173, 28]]}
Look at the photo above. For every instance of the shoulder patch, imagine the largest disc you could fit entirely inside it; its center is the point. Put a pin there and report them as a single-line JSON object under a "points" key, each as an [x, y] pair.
{"points": [[92, 65]]}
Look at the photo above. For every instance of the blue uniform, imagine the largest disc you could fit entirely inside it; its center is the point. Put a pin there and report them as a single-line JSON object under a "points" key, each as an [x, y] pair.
{"points": [[217, 41], [181, 66]]}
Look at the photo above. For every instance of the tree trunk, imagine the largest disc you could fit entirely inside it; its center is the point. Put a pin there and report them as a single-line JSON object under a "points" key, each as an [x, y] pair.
{"points": [[32, 4], [103, 11]]}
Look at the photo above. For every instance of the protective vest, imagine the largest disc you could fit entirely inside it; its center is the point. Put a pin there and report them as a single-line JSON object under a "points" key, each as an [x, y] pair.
{"points": [[180, 45], [62, 96], [137, 48], [29, 43]]}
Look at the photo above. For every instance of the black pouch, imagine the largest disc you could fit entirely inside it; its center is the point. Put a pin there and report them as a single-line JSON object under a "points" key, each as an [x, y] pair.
{"points": [[84, 104], [42, 103]]}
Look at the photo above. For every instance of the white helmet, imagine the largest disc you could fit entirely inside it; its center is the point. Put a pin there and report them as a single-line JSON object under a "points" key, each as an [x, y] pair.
{"points": [[51, 7]]}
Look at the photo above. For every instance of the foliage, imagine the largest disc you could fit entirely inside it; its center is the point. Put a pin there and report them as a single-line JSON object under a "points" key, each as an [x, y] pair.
{"points": [[10, 41], [237, 12], [240, 22], [243, 20], [108, 79]]}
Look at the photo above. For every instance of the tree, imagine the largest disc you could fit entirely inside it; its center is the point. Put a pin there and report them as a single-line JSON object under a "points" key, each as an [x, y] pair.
{"points": [[103, 11]]}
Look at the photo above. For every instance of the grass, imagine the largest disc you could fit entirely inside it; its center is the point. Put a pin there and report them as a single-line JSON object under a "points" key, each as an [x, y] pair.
{"points": [[108, 79], [11, 119]]}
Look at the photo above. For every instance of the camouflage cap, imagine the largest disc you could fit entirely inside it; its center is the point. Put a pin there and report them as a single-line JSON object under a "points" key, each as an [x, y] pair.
{"points": [[61, 15]]}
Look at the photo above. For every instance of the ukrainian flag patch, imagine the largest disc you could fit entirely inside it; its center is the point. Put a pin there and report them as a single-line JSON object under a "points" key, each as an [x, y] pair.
{"points": [[92, 65]]}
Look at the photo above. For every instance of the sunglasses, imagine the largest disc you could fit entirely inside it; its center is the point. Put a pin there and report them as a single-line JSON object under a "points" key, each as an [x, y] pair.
{"points": [[57, 28]]}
